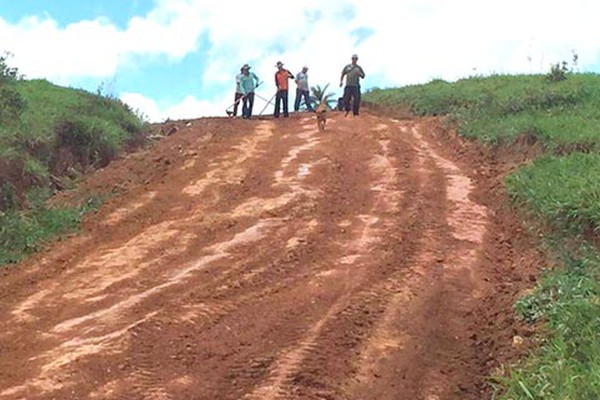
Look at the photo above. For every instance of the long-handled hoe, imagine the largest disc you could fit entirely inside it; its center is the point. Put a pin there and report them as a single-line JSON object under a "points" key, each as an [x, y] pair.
{"points": [[230, 112], [270, 101]]}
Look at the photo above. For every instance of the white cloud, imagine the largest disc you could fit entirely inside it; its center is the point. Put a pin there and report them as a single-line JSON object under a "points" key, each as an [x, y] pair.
{"points": [[189, 108], [97, 48], [416, 41], [412, 41], [41, 49], [143, 106], [173, 28]]}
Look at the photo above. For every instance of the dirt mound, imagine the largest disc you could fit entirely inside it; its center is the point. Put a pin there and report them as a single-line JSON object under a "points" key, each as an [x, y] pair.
{"points": [[266, 260]]}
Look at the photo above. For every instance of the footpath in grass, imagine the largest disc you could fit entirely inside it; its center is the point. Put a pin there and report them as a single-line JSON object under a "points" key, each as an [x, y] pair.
{"points": [[558, 193]]}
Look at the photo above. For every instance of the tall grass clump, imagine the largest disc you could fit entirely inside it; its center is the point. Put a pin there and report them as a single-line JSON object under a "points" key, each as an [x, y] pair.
{"points": [[565, 191], [23, 232], [567, 363]]}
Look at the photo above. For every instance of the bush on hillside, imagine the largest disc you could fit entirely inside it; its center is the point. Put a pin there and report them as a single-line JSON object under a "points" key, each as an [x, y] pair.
{"points": [[89, 143], [8, 73], [11, 105], [49, 134], [8, 196], [11, 102], [558, 72]]}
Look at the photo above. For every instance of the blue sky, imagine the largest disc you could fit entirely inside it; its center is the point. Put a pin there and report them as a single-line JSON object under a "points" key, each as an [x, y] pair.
{"points": [[65, 12], [178, 58]]}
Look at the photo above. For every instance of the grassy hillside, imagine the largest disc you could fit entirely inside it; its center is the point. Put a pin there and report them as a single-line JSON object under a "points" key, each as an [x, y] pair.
{"points": [[563, 115], [49, 136], [59, 129], [561, 112]]}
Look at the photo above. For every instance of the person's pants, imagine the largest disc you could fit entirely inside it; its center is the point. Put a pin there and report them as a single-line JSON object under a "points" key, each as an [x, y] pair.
{"points": [[299, 95], [236, 102], [281, 97], [354, 93], [248, 104]]}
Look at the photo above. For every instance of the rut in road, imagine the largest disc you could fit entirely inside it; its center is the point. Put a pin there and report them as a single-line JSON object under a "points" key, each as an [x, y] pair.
{"points": [[263, 260]]}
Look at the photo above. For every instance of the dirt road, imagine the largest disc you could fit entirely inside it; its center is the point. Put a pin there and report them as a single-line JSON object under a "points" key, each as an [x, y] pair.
{"points": [[265, 260]]}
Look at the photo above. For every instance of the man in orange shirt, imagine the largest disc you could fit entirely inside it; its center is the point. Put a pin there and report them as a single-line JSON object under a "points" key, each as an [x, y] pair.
{"points": [[282, 77]]}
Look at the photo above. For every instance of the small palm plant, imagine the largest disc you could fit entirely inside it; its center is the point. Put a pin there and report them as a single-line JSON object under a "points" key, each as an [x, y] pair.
{"points": [[319, 96]]}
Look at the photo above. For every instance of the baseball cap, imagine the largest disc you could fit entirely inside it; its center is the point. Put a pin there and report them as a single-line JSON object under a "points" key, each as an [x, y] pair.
{"points": [[279, 64], [354, 56]]}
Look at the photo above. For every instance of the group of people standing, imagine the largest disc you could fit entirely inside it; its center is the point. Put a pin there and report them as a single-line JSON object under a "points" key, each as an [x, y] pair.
{"points": [[247, 82]]}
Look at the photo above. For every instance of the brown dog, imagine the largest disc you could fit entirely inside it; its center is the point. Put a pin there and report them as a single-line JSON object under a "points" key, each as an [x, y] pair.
{"points": [[321, 112]]}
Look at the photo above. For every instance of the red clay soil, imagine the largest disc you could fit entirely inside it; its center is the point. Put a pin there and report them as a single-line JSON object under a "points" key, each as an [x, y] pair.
{"points": [[265, 260]]}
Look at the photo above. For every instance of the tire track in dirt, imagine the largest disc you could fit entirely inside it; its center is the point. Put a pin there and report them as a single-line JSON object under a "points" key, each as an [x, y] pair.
{"points": [[386, 298], [271, 262], [466, 222], [254, 206], [152, 233], [144, 374], [285, 366], [290, 178], [397, 291], [333, 360], [355, 252], [120, 257], [241, 371]]}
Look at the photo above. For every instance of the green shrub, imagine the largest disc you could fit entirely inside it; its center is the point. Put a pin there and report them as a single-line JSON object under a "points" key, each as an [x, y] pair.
{"points": [[558, 72], [7, 73], [11, 106], [89, 140], [8, 196], [45, 131], [50, 129]]}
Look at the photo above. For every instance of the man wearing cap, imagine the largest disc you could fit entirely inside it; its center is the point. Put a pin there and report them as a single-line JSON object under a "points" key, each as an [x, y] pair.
{"points": [[281, 80], [302, 90], [248, 82], [353, 72]]}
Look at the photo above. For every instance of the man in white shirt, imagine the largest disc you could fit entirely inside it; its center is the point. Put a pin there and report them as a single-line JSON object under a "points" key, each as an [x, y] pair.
{"points": [[238, 92], [302, 90]]}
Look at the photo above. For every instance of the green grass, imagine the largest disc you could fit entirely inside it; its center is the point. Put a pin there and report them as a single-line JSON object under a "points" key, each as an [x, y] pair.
{"points": [[92, 128], [498, 109], [564, 193], [46, 132], [562, 190], [559, 192], [567, 364], [56, 104], [24, 232]]}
